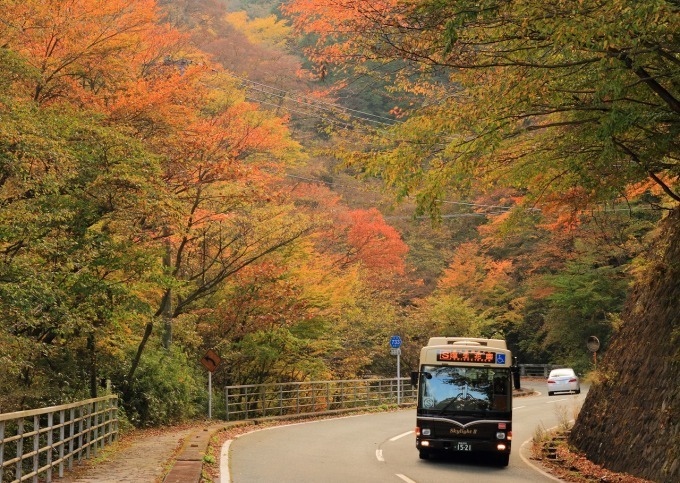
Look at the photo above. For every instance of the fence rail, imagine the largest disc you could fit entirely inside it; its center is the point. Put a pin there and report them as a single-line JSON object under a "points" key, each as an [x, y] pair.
{"points": [[33, 443], [284, 399], [537, 370]]}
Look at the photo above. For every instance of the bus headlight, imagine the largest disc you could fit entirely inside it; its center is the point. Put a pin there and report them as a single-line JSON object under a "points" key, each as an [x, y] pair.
{"points": [[426, 432], [500, 435]]}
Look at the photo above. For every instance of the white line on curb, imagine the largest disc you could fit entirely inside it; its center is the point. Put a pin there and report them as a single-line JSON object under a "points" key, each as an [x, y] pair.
{"points": [[224, 462]]}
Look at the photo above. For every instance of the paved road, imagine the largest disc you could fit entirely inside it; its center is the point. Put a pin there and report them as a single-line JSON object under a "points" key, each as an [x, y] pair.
{"points": [[380, 448]]}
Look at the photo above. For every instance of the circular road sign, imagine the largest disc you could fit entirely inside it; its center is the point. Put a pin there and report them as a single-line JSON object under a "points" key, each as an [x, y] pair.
{"points": [[593, 343], [395, 342]]}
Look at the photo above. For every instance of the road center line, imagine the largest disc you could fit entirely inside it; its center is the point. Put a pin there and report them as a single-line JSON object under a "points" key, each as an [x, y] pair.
{"points": [[379, 456], [405, 478], [401, 435]]}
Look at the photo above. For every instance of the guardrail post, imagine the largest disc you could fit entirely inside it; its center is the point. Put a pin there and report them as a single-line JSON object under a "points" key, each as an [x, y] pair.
{"points": [[62, 434], [36, 447], [20, 450], [2, 448], [226, 402], [297, 399], [72, 436], [280, 399], [81, 428], [50, 425], [263, 396]]}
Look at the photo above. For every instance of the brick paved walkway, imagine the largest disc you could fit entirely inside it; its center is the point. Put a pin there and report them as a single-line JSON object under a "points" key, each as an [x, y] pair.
{"points": [[142, 460]]}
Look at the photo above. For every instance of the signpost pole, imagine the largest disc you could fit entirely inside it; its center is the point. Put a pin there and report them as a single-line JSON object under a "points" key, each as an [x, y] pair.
{"points": [[395, 344], [210, 361], [398, 379]]}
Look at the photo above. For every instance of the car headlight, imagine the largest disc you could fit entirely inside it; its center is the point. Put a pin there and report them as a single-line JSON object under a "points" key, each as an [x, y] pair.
{"points": [[500, 435]]}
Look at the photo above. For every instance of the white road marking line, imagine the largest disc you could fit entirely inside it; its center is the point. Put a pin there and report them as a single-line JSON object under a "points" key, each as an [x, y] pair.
{"points": [[524, 448], [379, 456], [224, 463], [556, 401], [405, 478], [401, 435], [519, 407]]}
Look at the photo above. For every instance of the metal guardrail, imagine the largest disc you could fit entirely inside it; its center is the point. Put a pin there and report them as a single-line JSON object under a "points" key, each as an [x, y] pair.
{"points": [[33, 443], [284, 399], [537, 370]]}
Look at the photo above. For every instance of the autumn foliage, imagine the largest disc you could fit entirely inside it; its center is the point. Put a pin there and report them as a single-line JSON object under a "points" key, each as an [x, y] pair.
{"points": [[145, 213]]}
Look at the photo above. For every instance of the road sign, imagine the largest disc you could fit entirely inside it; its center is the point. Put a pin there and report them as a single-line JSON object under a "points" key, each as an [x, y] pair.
{"points": [[395, 342], [395, 352], [211, 360]]}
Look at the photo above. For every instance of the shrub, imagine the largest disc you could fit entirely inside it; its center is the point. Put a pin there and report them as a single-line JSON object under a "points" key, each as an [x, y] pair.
{"points": [[165, 390]]}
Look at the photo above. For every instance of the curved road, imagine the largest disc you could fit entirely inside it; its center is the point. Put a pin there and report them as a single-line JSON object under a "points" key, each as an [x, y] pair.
{"points": [[381, 448]]}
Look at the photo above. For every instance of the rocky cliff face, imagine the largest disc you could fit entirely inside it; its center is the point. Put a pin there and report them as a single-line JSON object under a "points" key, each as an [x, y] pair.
{"points": [[630, 421]]}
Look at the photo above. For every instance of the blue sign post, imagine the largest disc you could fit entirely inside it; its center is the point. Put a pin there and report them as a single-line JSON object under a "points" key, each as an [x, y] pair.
{"points": [[395, 344]]}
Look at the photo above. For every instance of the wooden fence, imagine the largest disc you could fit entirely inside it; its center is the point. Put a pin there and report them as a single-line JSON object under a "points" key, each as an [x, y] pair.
{"points": [[34, 443]]}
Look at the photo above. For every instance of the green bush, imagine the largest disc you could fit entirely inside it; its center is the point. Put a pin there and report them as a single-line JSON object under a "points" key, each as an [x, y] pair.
{"points": [[165, 390]]}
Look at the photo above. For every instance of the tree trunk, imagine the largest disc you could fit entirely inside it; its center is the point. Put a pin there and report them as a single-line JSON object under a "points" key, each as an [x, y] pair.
{"points": [[140, 350], [91, 348], [630, 421]]}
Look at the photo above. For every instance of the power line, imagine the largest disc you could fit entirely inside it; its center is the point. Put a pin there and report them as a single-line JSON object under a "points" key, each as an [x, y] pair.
{"points": [[317, 102], [503, 209]]}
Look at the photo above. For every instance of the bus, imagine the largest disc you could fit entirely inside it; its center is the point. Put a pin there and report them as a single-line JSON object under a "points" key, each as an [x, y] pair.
{"points": [[464, 398]]}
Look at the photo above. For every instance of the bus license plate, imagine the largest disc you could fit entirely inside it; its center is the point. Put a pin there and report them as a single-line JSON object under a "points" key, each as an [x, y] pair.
{"points": [[463, 447]]}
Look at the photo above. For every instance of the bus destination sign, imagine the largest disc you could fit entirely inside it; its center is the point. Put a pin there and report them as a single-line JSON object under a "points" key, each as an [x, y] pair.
{"points": [[466, 355]]}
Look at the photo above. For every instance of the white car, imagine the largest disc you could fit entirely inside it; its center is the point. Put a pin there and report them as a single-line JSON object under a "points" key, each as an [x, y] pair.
{"points": [[563, 380]]}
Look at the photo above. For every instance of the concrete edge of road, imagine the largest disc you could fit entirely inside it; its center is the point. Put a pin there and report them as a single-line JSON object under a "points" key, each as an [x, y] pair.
{"points": [[528, 462], [187, 466]]}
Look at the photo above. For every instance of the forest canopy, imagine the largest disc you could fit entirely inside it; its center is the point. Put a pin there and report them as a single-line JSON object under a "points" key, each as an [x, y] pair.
{"points": [[178, 176]]}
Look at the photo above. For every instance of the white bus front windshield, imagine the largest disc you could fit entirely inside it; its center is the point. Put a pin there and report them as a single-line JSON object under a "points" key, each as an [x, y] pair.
{"points": [[450, 388]]}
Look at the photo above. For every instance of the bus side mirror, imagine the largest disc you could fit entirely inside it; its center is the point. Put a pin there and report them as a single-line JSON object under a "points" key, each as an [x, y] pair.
{"points": [[414, 378]]}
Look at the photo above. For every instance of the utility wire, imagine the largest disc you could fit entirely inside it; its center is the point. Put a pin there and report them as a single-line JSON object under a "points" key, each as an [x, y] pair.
{"points": [[317, 101], [503, 209]]}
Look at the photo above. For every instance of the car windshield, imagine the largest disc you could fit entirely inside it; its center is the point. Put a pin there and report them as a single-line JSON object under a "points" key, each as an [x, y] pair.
{"points": [[474, 389]]}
